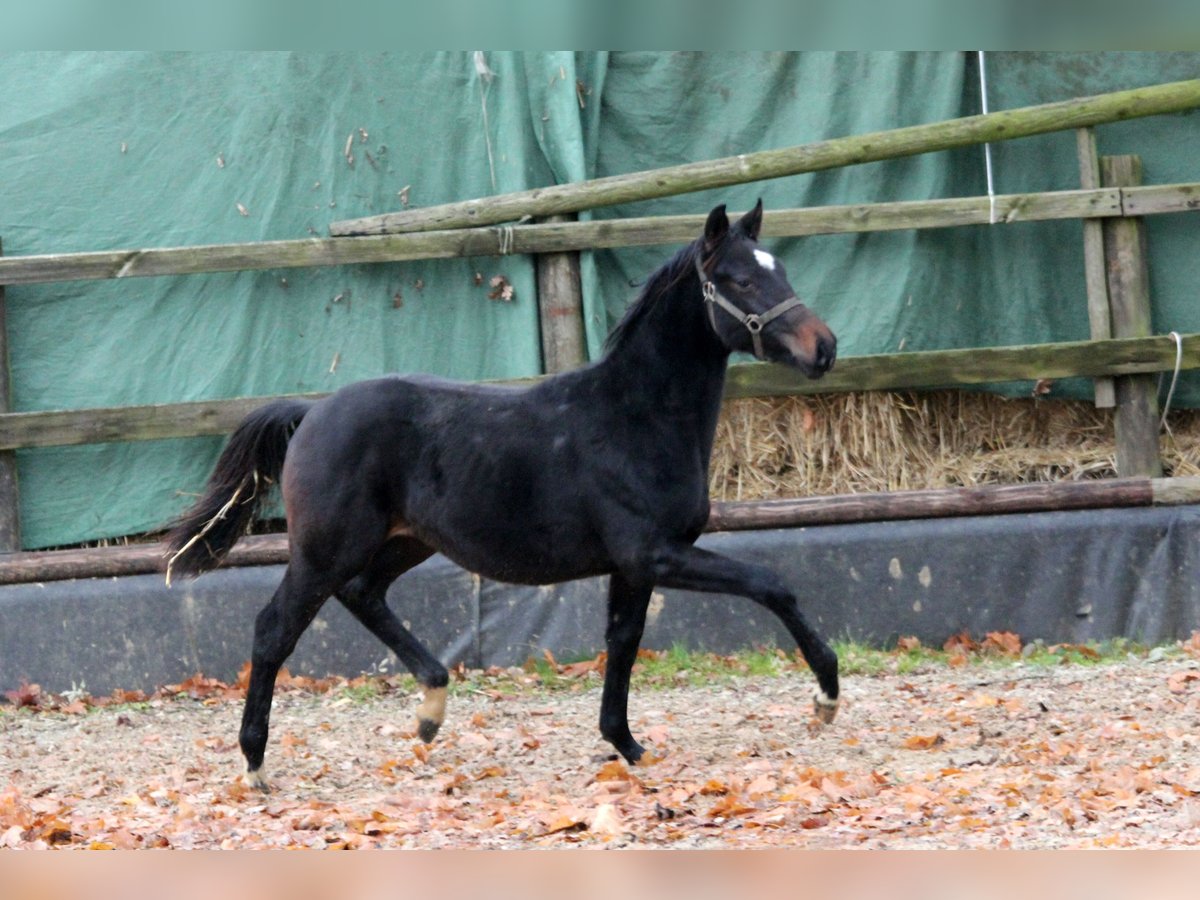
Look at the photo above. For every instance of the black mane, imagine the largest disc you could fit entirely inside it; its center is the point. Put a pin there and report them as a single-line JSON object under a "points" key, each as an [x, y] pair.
{"points": [[663, 280]]}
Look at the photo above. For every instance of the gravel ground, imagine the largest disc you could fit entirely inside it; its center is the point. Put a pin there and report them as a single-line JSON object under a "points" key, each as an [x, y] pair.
{"points": [[973, 756]]}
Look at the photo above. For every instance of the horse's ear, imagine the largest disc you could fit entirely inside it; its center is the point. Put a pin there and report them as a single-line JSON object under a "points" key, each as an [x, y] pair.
{"points": [[751, 223], [716, 227]]}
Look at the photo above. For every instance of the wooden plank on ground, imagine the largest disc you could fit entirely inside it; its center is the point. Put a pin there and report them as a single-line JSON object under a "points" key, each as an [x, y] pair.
{"points": [[271, 549], [964, 501], [126, 559]]}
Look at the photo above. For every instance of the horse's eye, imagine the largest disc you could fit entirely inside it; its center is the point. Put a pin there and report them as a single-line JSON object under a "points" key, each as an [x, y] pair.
{"points": [[743, 282]]}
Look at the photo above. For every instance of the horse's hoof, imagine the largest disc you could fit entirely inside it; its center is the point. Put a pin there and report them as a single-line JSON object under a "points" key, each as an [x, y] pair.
{"points": [[634, 754], [427, 729], [257, 781], [824, 708], [648, 759], [431, 713]]}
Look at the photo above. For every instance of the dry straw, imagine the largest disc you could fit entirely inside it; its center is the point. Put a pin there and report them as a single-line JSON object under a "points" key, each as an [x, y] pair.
{"points": [[879, 441]]}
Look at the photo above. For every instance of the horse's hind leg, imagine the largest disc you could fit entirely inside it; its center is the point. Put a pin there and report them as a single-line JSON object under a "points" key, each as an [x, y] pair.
{"points": [[627, 604], [365, 597], [279, 625]]}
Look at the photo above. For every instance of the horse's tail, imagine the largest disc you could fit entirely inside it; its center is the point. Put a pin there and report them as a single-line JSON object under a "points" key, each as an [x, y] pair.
{"points": [[252, 460]]}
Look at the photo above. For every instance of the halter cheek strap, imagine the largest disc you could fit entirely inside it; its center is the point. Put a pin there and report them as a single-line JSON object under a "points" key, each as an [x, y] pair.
{"points": [[753, 322]]}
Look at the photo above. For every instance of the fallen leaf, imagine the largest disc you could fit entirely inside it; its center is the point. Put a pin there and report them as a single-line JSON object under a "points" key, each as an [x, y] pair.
{"points": [[763, 784], [658, 734], [923, 742], [613, 770], [25, 695], [567, 818], [728, 807], [1192, 645], [606, 820], [960, 642], [1004, 643], [1177, 682]]}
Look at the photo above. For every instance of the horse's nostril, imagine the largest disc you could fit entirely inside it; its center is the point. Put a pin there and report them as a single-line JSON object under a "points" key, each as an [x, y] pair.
{"points": [[823, 358]]}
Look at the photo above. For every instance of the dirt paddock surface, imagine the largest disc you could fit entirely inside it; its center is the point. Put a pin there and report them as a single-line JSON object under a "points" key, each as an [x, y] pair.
{"points": [[973, 756]]}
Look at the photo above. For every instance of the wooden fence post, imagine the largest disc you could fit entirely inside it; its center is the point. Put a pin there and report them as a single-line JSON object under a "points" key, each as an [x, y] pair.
{"points": [[10, 500], [1099, 315], [560, 305], [1129, 304]]}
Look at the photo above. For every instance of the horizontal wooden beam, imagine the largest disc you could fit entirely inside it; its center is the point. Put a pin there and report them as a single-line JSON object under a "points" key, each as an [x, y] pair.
{"points": [[979, 500], [272, 549], [563, 237], [1146, 200], [845, 151], [126, 559], [61, 428], [242, 257], [892, 371], [961, 368]]}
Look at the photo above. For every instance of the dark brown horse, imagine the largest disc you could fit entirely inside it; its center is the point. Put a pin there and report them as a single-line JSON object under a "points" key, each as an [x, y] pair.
{"points": [[600, 471]]}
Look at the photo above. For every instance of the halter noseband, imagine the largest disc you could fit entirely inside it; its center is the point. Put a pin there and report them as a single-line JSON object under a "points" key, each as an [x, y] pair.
{"points": [[754, 323]]}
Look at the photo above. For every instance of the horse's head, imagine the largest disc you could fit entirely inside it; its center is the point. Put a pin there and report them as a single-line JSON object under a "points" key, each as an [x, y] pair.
{"points": [[751, 306]]}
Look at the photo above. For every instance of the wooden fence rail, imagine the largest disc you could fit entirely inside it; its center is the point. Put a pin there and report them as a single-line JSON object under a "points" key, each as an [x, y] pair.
{"points": [[981, 500], [892, 371], [560, 237], [895, 143]]}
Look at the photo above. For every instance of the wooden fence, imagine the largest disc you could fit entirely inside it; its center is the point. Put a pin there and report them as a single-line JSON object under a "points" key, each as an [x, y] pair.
{"points": [[1111, 205]]}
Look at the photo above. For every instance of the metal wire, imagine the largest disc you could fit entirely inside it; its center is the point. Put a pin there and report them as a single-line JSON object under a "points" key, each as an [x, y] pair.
{"points": [[987, 148], [1162, 423]]}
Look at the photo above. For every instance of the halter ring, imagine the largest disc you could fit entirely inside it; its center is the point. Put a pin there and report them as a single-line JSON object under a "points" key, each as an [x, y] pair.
{"points": [[753, 322]]}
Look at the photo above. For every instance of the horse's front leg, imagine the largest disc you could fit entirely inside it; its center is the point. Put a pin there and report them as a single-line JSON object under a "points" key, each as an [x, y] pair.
{"points": [[627, 603], [690, 568]]}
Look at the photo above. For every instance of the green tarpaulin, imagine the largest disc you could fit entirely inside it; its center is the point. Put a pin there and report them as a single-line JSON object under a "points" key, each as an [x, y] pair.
{"points": [[130, 150]]}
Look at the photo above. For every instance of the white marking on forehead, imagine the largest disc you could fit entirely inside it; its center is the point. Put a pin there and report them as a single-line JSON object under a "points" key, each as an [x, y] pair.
{"points": [[765, 259]]}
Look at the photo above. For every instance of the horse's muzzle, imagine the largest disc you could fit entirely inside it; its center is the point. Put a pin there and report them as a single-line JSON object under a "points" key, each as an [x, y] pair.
{"points": [[813, 347], [825, 355]]}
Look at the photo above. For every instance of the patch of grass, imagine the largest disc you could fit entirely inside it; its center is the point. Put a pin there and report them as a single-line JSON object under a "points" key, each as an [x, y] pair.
{"points": [[995, 651], [858, 659], [679, 666], [131, 706], [547, 674], [1092, 653], [363, 691], [654, 670]]}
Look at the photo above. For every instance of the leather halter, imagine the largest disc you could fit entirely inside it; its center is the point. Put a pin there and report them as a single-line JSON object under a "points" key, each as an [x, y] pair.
{"points": [[753, 322]]}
